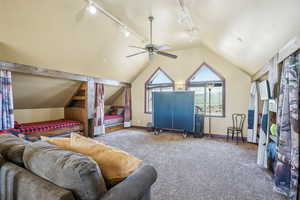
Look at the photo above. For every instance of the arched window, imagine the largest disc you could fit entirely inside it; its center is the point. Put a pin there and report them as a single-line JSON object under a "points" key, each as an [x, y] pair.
{"points": [[158, 82], [209, 87]]}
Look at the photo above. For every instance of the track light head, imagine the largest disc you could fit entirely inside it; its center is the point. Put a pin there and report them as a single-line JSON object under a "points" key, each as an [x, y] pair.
{"points": [[92, 9]]}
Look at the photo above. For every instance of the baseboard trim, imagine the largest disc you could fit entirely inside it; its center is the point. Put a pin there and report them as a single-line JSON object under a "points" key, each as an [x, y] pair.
{"points": [[205, 134], [139, 127], [224, 136]]}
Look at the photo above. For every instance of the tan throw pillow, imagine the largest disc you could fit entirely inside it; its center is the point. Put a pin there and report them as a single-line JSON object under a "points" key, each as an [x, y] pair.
{"points": [[114, 163], [61, 142]]}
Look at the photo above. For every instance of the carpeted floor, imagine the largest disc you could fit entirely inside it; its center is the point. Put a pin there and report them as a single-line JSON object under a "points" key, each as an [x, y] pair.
{"points": [[196, 169]]}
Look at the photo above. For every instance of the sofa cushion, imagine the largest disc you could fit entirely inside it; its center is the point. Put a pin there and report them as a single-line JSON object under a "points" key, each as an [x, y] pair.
{"points": [[12, 148], [69, 170]]}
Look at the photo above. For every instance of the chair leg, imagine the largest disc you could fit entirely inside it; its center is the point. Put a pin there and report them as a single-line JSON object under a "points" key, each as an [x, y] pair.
{"points": [[227, 135], [242, 136]]}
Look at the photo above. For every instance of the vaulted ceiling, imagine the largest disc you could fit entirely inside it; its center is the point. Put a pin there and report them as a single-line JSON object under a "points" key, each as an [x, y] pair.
{"points": [[59, 34]]}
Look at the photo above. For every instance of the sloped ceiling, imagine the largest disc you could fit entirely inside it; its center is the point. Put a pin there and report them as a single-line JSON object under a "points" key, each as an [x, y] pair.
{"points": [[31, 92], [58, 34], [109, 91]]}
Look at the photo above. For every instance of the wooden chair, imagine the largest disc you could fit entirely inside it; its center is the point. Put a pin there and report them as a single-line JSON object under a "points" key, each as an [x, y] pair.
{"points": [[238, 124]]}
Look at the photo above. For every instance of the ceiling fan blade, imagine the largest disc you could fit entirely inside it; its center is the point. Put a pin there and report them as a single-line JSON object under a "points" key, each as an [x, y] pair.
{"points": [[166, 54], [137, 47], [162, 47], [136, 54]]}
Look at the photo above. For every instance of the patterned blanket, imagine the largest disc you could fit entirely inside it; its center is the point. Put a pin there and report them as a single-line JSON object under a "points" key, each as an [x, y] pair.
{"points": [[45, 126]]}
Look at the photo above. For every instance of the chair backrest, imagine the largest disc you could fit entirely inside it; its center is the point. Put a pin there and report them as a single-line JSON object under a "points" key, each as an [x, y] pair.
{"points": [[238, 120], [198, 110]]}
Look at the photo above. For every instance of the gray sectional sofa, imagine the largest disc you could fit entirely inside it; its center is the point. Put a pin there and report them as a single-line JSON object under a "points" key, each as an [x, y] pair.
{"points": [[42, 171]]}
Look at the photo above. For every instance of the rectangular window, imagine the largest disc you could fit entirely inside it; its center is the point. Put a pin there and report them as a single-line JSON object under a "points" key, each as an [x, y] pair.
{"points": [[209, 101], [149, 96]]}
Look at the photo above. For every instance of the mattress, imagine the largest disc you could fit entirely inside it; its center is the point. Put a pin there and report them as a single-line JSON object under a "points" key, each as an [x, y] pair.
{"points": [[56, 128], [113, 119], [46, 126]]}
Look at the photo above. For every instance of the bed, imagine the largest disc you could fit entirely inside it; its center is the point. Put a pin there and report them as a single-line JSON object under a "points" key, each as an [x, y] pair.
{"points": [[114, 119], [54, 128]]}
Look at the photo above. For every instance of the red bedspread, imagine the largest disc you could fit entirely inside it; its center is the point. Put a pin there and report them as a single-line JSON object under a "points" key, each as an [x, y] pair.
{"points": [[46, 126]]}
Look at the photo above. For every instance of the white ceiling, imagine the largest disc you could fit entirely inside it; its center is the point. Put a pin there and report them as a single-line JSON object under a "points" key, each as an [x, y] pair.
{"points": [[246, 32], [57, 33]]}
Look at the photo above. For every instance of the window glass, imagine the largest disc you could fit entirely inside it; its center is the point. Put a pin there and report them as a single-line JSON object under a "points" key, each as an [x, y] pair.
{"points": [[205, 74], [159, 82], [215, 101], [209, 94]]}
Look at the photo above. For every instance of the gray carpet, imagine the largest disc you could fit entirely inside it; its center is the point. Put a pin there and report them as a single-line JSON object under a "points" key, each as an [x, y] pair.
{"points": [[196, 169]]}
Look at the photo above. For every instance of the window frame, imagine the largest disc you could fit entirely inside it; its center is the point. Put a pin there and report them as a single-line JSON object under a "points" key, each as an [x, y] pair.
{"points": [[172, 85], [204, 84]]}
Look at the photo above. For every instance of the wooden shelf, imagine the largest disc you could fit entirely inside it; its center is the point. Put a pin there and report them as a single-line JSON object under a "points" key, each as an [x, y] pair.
{"points": [[78, 98]]}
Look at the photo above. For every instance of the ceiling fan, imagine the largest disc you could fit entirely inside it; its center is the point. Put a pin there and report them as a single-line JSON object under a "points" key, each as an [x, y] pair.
{"points": [[151, 48]]}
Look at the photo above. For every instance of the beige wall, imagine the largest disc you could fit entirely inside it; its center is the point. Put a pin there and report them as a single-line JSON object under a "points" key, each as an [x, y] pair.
{"points": [[120, 100], [237, 84], [36, 115]]}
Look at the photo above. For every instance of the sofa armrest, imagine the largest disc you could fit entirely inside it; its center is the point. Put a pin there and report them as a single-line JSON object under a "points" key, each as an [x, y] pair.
{"points": [[133, 187], [19, 183]]}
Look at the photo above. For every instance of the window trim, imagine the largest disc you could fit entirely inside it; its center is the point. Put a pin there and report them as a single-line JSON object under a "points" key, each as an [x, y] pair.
{"points": [[156, 86], [188, 85]]}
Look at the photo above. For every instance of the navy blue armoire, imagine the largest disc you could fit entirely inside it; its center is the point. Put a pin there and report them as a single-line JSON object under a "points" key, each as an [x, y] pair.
{"points": [[173, 110]]}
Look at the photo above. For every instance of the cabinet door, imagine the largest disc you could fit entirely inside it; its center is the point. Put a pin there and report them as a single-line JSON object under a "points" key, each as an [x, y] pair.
{"points": [[183, 111], [162, 109]]}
